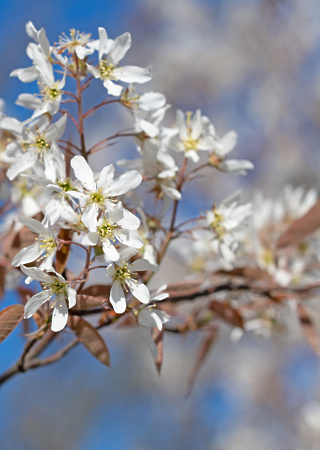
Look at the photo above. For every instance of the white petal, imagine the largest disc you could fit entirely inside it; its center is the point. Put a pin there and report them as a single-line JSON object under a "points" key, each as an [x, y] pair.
{"points": [[133, 74], [53, 210], [149, 128], [112, 88], [56, 130], [171, 192], [83, 172], [31, 30], [82, 52], [71, 296], [125, 183], [139, 290], [103, 42], [93, 70], [12, 124], [193, 155], [21, 164], [26, 255], [28, 101], [228, 142], [130, 238], [34, 225], [126, 254], [36, 274], [129, 220], [117, 298], [207, 143], [89, 217], [43, 64], [116, 214], [196, 125], [110, 251], [106, 176], [43, 42], [90, 238], [141, 264], [60, 315], [151, 100], [120, 47], [35, 302], [146, 333], [238, 166], [181, 124], [26, 75], [153, 318]]}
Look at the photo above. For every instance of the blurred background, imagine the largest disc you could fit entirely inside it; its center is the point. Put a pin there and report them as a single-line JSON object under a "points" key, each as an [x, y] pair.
{"points": [[252, 66]]}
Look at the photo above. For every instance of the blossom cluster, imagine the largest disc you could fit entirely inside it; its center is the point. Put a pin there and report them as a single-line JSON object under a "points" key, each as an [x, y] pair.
{"points": [[56, 193]]}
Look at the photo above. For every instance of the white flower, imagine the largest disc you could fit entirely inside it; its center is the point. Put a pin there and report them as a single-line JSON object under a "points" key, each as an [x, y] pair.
{"points": [[100, 192], [50, 90], [149, 317], [52, 286], [45, 247], [108, 70], [76, 43], [223, 220], [34, 145], [193, 135], [116, 225], [158, 167], [149, 101], [123, 275], [32, 73], [29, 197], [149, 123], [223, 146]]}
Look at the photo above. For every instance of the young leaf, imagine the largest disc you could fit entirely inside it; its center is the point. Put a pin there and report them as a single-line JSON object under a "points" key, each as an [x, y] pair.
{"points": [[10, 317], [308, 329], [90, 338], [62, 255], [204, 350], [2, 279], [227, 313], [88, 302], [98, 290], [301, 227], [159, 343]]}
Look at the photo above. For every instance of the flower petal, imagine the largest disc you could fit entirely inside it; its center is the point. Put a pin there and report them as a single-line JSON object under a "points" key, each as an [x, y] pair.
{"points": [[133, 74], [26, 255], [21, 164], [119, 47], [125, 183], [71, 296], [35, 302], [60, 315], [83, 172], [89, 217], [117, 298], [139, 290]]}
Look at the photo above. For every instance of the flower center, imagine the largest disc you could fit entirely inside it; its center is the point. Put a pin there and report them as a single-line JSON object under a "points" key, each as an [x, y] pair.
{"points": [[51, 93], [76, 39], [47, 245], [98, 198], [129, 99], [66, 185], [58, 288], [217, 224], [190, 144], [106, 70], [106, 230], [123, 274]]}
